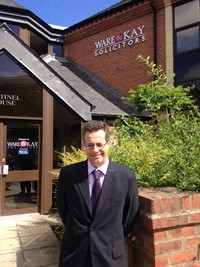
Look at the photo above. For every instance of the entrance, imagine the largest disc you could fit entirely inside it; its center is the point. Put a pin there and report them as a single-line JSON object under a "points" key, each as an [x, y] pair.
{"points": [[19, 167]]}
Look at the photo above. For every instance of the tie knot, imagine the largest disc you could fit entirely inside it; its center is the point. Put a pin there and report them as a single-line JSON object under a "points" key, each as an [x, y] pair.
{"points": [[97, 174]]}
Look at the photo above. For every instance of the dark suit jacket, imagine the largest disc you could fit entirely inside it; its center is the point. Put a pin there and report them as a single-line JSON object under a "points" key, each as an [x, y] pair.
{"points": [[104, 233]]}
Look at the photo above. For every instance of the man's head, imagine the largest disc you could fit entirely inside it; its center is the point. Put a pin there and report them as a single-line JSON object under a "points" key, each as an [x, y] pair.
{"points": [[96, 138]]}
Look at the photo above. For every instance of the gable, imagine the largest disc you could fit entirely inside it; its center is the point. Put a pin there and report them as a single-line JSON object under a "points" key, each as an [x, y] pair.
{"points": [[42, 72]]}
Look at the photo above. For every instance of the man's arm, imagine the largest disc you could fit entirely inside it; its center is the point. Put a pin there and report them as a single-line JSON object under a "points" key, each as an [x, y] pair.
{"points": [[131, 207], [60, 198]]}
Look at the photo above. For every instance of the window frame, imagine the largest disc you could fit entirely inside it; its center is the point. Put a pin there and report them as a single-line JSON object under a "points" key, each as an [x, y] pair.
{"points": [[186, 52]]}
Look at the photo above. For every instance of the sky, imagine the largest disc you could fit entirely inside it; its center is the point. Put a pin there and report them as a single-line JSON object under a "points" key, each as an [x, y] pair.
{"points": [[65, 12]]}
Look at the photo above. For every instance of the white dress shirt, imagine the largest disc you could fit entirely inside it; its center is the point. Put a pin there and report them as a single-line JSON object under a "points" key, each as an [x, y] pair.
{"points": [[103, 170]]}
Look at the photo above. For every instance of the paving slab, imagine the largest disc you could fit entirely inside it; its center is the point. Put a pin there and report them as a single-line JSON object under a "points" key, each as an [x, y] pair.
{"points": [[38, 241], [41, 257], [10, 245], [28, 241], [8, 232], [27, 230], [12, 260]]}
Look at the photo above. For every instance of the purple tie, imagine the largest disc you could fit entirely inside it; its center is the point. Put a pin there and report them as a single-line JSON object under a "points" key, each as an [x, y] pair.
{"points": [[96, 189]]}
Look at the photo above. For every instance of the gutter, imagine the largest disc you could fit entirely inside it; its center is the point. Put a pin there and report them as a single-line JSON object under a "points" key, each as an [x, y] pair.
{"points": [[155, 29]]}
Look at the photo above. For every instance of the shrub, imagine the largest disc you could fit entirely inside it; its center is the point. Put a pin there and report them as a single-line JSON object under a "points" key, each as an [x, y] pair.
{"points": [[165, 152], [167, 155], [72, 155]]}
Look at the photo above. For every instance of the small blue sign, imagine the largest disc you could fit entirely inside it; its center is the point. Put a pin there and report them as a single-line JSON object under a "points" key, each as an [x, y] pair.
{"points": [[23, 151]]}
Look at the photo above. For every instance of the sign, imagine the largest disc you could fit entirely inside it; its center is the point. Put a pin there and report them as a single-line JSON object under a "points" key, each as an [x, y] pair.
{"points": [[22, 143], [9, 100], [23, 151], [120, 40]]}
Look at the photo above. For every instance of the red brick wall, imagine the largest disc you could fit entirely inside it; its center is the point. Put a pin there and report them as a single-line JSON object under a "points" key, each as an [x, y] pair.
{"points": [[168, 231], [119, 68]]}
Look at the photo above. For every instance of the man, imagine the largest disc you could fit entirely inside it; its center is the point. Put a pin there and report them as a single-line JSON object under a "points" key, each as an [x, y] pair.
{"points": [[94, 236]]}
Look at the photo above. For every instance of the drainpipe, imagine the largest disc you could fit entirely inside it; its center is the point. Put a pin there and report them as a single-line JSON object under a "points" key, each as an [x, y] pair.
{"points": [[155, 29]]}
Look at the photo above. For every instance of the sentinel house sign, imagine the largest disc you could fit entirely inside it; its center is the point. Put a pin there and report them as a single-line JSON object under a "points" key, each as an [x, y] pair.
{"points": [[120, 40], [9, 100]]}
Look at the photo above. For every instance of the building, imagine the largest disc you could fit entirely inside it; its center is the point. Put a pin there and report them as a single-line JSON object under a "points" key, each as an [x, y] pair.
{"points": [[53, 78]]}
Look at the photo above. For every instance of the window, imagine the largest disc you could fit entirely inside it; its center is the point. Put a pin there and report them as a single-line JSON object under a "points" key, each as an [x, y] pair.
{"points": [[20, 95], [38, 44], [187, 43], [66, 132], [187, 67], [58, 50], [186, 14], [14, 27], [188, 39]]}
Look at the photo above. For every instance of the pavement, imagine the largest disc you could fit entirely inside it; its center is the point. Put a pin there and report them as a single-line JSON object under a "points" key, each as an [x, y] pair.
{"points": [[28, 240]]}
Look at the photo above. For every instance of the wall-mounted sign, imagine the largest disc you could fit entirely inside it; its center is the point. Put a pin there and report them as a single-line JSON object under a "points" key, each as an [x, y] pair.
{"points": [[120, 40], [9, 100]]}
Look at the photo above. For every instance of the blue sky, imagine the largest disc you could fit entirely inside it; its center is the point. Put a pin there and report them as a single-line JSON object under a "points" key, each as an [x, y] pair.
{"points": [[65, 12]]}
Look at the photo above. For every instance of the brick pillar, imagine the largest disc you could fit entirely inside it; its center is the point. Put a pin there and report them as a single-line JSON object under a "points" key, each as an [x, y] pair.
{"points": [[168, 230]]}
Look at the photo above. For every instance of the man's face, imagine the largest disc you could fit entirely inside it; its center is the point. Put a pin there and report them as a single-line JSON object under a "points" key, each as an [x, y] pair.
{"points": [[96, 147]]}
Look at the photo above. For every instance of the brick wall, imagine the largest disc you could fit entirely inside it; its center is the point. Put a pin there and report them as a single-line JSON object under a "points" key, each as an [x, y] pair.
{"points": [[168, 230], [119, 68]]}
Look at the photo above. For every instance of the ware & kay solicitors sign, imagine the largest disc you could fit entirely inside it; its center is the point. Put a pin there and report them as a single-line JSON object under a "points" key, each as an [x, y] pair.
{"points": [[120, 40]]}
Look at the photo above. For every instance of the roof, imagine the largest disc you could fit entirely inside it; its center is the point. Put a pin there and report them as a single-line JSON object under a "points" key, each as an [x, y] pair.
{"points": [[106, 12], [114, 8], [105, 100], [11, 3], [12, 44], [18, 13], [84, 94], [72, 78]]}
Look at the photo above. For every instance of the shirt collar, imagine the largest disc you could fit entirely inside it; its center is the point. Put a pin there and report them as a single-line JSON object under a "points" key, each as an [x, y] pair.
{"points": [[102, 168]]}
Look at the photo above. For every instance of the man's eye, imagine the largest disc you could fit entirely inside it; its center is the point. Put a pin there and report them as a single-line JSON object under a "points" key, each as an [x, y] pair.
{"points": [[90, 145], [99, 145]]}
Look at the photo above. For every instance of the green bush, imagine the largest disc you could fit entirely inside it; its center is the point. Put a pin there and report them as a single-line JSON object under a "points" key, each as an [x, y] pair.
{"points": [[72, 155], [166, 151], [167, 155]]}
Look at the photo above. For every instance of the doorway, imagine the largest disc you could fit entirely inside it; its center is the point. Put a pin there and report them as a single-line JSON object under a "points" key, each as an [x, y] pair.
{"points": [[19, 167]]}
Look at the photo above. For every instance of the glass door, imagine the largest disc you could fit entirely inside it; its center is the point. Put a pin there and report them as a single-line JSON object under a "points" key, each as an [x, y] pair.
{"points": [[19, 172]]}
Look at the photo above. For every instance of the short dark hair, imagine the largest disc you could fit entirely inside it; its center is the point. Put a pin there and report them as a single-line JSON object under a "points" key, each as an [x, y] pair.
{"points": [[95, 125]]}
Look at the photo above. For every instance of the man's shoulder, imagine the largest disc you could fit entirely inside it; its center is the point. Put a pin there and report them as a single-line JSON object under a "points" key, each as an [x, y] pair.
{"points": [[124, 172], [76, 165], [121, 167]]}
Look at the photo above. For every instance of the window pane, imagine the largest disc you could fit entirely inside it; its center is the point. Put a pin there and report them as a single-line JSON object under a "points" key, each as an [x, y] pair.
{"points": [[183, 14], [20, 95], [66, 132], [15, 28], [19, 195], [38, 44], [187, 67], [188, 39], [22, 148], [58, 50]]}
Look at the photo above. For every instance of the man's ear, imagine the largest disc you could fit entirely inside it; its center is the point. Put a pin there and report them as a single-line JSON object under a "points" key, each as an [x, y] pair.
{"points": [[108, 142]]}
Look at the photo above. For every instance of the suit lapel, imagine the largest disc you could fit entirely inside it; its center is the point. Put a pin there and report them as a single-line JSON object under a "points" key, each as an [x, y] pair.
{"points": [[83, 183], [107, 187]]}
